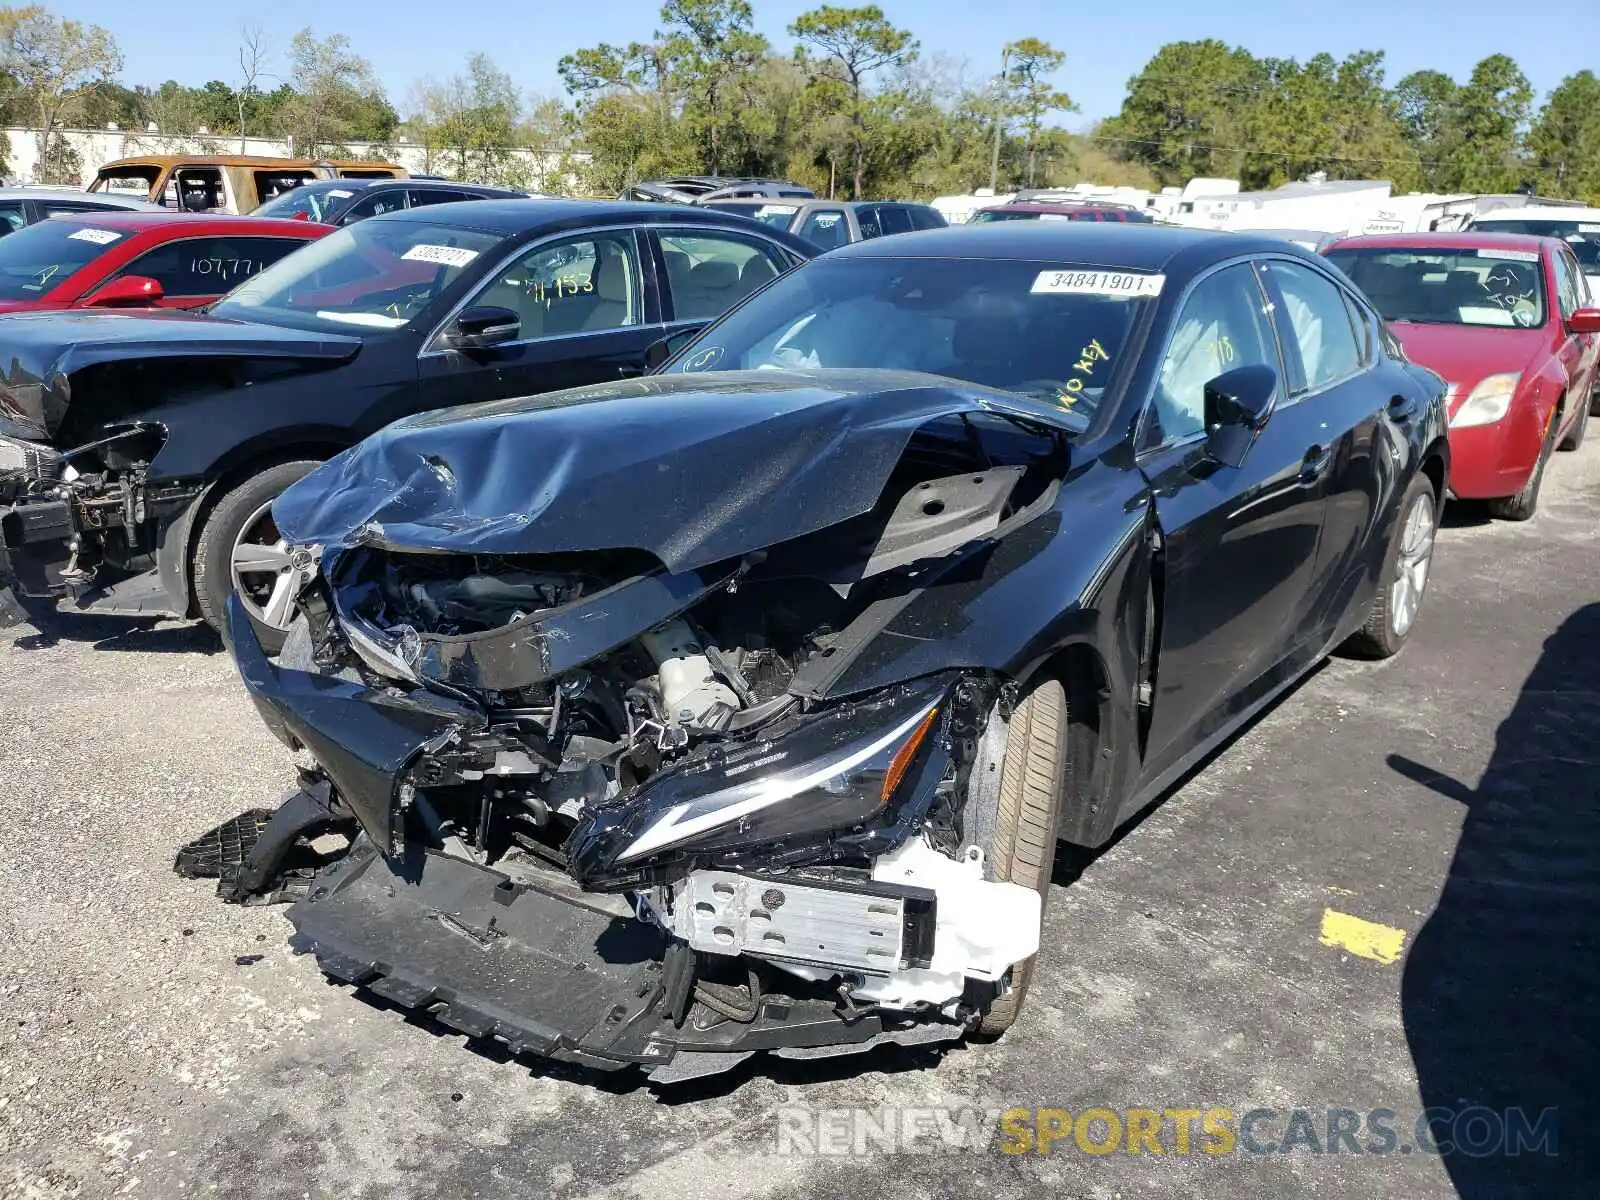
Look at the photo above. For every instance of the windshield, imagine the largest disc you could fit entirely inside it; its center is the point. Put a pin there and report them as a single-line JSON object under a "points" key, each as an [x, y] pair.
{"points": [[1483, 287], [377, 274], [36, 258], [776, 215], [313, 201], [997, 214], [1582, 237], [1050, 333]]}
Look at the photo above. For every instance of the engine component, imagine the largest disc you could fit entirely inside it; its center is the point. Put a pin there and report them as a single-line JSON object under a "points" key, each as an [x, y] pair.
{"points": [[691, 694]]}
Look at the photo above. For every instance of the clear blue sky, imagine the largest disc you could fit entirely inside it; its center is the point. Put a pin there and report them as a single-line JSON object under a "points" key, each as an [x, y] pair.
{"points": [[1106, 43]]}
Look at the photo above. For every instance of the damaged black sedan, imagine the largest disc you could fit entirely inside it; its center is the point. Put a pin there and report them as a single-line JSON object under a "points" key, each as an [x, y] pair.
{"points": [[739, 708]]}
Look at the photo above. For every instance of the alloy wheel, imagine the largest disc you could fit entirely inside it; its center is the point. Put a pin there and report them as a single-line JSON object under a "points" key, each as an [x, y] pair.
{"points": [[266, 576], [1411, 565]]}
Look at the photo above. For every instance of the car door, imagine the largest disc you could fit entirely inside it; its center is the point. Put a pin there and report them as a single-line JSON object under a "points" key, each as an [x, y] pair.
{"points": [[1331, 357], [195, 271], [585, 315], [1576, 351], [708, 271], [1239, 544]]}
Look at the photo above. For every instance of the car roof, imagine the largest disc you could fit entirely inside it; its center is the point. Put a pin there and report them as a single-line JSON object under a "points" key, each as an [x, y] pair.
{"points": [[201, 224], [241, 160], [513, 216], [1054, 206], [1114, 245], [1541, 212], [109, 199], [1470, 240]]}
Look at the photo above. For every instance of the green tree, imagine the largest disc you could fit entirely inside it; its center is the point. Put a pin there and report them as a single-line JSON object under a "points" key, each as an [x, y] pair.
{"points": [[626, 114], [1490, 111], [1186, 112], [855, 44], [1031, 95], [712, 54], [56, 66], [336, 96], [1564, 143]]}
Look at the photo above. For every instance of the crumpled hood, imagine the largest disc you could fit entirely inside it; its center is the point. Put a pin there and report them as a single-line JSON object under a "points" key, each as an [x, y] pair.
{"points": [[694, 469], [41, 351]]}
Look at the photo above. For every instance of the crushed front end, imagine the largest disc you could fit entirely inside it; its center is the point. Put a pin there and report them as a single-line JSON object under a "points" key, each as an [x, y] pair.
{"points": [[606, 806]]}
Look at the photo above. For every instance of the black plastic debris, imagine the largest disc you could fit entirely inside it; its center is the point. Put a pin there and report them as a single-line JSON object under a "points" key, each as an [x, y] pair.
{"points": [[228, 845]]}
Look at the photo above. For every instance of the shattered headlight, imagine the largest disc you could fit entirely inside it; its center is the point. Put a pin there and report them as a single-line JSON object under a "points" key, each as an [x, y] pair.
{"points": [[837, 770]]}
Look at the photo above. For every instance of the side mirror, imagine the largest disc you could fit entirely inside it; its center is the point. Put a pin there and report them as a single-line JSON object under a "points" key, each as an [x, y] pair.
{"points": [[480, 327], [127, 290], [1584, 320], [1238, 405], [658, 352]]}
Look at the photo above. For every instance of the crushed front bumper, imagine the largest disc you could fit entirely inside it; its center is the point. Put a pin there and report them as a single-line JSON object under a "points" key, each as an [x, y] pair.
{"points": [[548, 974]]}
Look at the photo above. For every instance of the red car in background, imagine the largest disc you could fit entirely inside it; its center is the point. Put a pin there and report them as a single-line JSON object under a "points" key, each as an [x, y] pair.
{"points": [[1502, 318], [139, 260]]}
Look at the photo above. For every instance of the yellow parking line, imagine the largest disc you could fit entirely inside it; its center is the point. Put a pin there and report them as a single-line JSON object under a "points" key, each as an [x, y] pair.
{"points": [[1365, 939]]}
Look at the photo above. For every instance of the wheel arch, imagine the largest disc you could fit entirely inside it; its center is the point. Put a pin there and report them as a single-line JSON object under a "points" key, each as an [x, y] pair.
{"points": [[175, 561], [1089, 807]]}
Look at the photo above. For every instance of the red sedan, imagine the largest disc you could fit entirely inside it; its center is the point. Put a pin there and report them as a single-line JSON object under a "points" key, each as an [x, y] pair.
{"points": [[121, 260], [1503, 319]]}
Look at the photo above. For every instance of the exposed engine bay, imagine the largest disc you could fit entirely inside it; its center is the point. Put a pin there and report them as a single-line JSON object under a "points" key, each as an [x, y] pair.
{"points": [[658, 748]]}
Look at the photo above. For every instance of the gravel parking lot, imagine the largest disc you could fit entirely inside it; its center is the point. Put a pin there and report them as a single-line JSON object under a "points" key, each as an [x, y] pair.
{"points": [[1444, 807]]}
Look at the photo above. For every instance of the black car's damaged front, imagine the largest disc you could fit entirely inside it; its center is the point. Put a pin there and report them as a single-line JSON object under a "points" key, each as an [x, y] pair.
{"points": [[657, 743]]}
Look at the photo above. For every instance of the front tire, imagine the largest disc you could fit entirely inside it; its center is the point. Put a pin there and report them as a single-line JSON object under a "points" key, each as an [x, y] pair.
{"points": [[1404, 581], [1575, 438], [1525, 503], [1018, 833], [240, 550]]}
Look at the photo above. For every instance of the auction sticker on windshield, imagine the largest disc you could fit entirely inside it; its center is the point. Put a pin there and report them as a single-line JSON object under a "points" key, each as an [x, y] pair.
{"points": [[1126, 285], [1510, 255], [445, 256], [100, 237]]}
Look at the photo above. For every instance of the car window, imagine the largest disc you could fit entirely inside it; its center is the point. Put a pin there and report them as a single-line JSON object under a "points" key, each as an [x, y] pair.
{"points": [[1449, 285], [372, 275], [54, 208], [208, 266], [826, 228], [1223, 324], [316, 201], [195, 189], [895, 219], [36, 258], [272, 184], [1321, 324], [1052, 333], [1361, 322], [421, 197], [708, 273], [580, 285], [1567, 284], [383, 201], [923, 217], [126, 181], [12, 217], [871, 227]]}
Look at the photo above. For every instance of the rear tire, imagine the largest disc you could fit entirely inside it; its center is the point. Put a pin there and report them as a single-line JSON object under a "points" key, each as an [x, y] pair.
{"points": [[1020, 843], [1395, 607], [242, 518]]}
